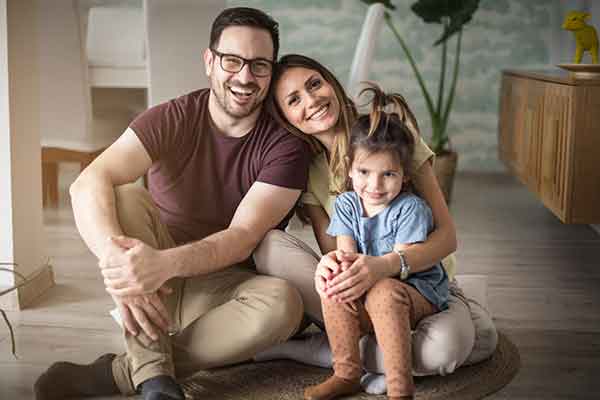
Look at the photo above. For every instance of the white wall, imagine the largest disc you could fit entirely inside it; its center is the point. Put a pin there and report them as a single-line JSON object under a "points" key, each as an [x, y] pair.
{"points": [[178, 32], [6, 220], [21, 238], [64, 94]]}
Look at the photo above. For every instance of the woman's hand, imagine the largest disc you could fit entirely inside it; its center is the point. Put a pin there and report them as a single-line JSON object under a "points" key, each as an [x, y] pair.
{"points": [[353, 282]]}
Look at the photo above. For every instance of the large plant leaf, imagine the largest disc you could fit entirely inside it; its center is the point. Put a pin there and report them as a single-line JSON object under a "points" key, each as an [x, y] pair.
{"points": [[456, 12], [387, 3]]}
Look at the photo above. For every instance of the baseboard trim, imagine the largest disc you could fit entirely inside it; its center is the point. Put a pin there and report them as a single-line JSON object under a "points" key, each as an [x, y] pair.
{"points": [[40, 282]]}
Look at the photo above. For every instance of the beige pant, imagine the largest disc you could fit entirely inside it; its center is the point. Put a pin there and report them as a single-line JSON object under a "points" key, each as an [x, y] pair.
{"points": [[223, 318], [440, 343]]}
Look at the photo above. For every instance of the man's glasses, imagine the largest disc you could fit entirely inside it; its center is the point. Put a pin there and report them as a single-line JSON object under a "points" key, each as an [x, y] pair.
{"points": [[260, 67]]}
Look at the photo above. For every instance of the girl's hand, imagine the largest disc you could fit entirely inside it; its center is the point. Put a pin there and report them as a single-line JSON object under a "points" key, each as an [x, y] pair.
{"points": [[328, 268], [352, 283]]}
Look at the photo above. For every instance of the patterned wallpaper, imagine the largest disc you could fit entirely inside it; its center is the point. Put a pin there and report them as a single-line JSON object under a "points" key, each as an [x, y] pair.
{"points": [[502, 34]]}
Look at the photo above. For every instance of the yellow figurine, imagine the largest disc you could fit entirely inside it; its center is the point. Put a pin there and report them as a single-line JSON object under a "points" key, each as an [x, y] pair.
{"points": [[585, 35]]}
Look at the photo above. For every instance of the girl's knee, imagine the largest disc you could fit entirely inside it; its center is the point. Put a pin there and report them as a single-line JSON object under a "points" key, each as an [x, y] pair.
{"points": [[386, 292]]}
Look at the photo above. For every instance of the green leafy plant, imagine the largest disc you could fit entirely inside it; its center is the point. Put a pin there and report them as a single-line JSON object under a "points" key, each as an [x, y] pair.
{"points": [[452, 15]]}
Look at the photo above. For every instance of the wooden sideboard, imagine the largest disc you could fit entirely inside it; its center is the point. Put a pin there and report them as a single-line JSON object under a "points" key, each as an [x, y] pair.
{"points": [[549, 137]]}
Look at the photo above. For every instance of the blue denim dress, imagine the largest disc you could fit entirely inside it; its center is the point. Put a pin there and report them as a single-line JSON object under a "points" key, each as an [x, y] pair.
{"points": [[406, 220]]}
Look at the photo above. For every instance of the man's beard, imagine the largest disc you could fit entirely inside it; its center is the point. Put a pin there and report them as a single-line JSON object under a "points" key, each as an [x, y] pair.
{"points": [[225, 100]]}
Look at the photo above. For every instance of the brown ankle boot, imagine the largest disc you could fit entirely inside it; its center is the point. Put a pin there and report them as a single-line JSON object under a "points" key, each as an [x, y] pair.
{"points": [[401, 397], [332, 388]]}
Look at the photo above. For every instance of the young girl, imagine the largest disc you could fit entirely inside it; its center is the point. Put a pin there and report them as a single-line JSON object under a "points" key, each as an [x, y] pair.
{"points": [[380, 217]]}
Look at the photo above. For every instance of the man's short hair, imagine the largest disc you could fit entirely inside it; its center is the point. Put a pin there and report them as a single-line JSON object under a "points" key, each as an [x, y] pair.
{"points": [[244, 16]]}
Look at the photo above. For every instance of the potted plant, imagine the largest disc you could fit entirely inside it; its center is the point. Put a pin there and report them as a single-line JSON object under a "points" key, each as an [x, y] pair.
{"points": [[452, 15]]}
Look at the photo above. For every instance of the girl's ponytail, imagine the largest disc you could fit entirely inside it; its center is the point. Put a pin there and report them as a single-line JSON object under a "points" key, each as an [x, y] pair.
{"points": [[380, 101], [389, 126]]}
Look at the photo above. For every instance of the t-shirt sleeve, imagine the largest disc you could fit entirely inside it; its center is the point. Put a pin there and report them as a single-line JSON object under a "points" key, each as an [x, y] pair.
{"points": [[413, 222], [286, 163], [160, 129], [342, 220]]}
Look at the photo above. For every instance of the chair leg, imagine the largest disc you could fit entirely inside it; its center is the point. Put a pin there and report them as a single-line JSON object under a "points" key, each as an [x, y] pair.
{"points": [[50, 184]]}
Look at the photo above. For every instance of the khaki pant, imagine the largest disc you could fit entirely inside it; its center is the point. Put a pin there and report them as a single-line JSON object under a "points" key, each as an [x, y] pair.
{"points": [[222, 318]]}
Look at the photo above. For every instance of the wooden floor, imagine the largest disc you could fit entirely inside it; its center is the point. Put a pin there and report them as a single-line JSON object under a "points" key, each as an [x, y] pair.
{"points": [[544, 293]]}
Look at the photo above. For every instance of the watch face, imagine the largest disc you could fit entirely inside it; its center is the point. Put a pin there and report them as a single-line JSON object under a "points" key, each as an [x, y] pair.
{"points": [[404, 272]]}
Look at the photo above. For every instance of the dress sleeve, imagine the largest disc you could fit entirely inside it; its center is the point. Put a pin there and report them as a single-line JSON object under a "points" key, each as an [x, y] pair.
{"points": [[344, 215], [422, 153], [413, 222]]}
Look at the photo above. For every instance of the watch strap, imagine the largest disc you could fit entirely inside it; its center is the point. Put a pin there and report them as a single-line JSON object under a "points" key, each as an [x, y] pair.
{"points": [[404, 267]]}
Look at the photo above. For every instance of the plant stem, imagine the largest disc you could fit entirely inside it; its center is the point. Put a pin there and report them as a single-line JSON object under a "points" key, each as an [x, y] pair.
{"points": [[454, 80], [13, 346], [428, 101], [4, 316], [25, 281], [442, 74]]}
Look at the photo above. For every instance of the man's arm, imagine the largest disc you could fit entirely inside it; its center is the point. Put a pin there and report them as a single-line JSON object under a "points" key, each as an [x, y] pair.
{"points": [[93, 200], [442, 241], [92, 193], [261, 209]]}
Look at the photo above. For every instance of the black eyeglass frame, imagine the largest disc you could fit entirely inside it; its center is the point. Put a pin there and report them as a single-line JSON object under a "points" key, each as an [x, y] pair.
{"points": [[244, 62]]}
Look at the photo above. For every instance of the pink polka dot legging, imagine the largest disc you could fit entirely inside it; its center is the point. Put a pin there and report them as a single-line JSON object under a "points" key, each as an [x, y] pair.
{"points": [[391, 308]]}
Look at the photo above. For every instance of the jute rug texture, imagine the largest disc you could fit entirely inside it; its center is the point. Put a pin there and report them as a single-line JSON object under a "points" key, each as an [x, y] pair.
{"points": [[286, 380]]}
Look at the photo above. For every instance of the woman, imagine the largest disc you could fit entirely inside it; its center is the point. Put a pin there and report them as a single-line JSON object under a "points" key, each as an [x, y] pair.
{"points": [[308, 100]]}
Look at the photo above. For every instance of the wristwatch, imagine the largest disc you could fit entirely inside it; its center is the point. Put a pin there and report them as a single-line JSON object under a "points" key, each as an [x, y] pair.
{"points": [[404, 267]]}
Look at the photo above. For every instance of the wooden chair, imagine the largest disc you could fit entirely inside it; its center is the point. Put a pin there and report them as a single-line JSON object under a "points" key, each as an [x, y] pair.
{"points": [[51, 157], [88, 97]]}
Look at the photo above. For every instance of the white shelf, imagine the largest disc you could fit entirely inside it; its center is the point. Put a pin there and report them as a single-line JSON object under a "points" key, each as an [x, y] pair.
{"points": [[118, 77]]}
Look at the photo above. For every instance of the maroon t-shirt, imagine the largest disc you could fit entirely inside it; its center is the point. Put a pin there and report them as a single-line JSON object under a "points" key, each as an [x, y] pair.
{"points": [[199, 176]]}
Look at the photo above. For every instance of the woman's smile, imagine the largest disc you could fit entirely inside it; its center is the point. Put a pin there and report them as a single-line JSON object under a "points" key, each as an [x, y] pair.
{"points": [[307, 100]]}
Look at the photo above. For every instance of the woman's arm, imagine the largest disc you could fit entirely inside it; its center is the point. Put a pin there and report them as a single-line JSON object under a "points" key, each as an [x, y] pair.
{"points": [[345, 245], [320, 221], [442, 241]]}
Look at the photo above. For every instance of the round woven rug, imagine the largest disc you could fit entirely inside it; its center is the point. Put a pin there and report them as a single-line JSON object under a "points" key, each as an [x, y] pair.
{"points": [[286, 380]]}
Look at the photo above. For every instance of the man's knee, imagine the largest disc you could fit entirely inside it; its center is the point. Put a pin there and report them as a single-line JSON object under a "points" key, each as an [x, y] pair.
{"points": [[443, 341], [267, 255], [284, 314], [130, 199]]}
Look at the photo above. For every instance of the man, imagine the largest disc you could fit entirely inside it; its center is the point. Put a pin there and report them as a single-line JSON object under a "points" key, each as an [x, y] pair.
{"points": [[221, 175]]}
